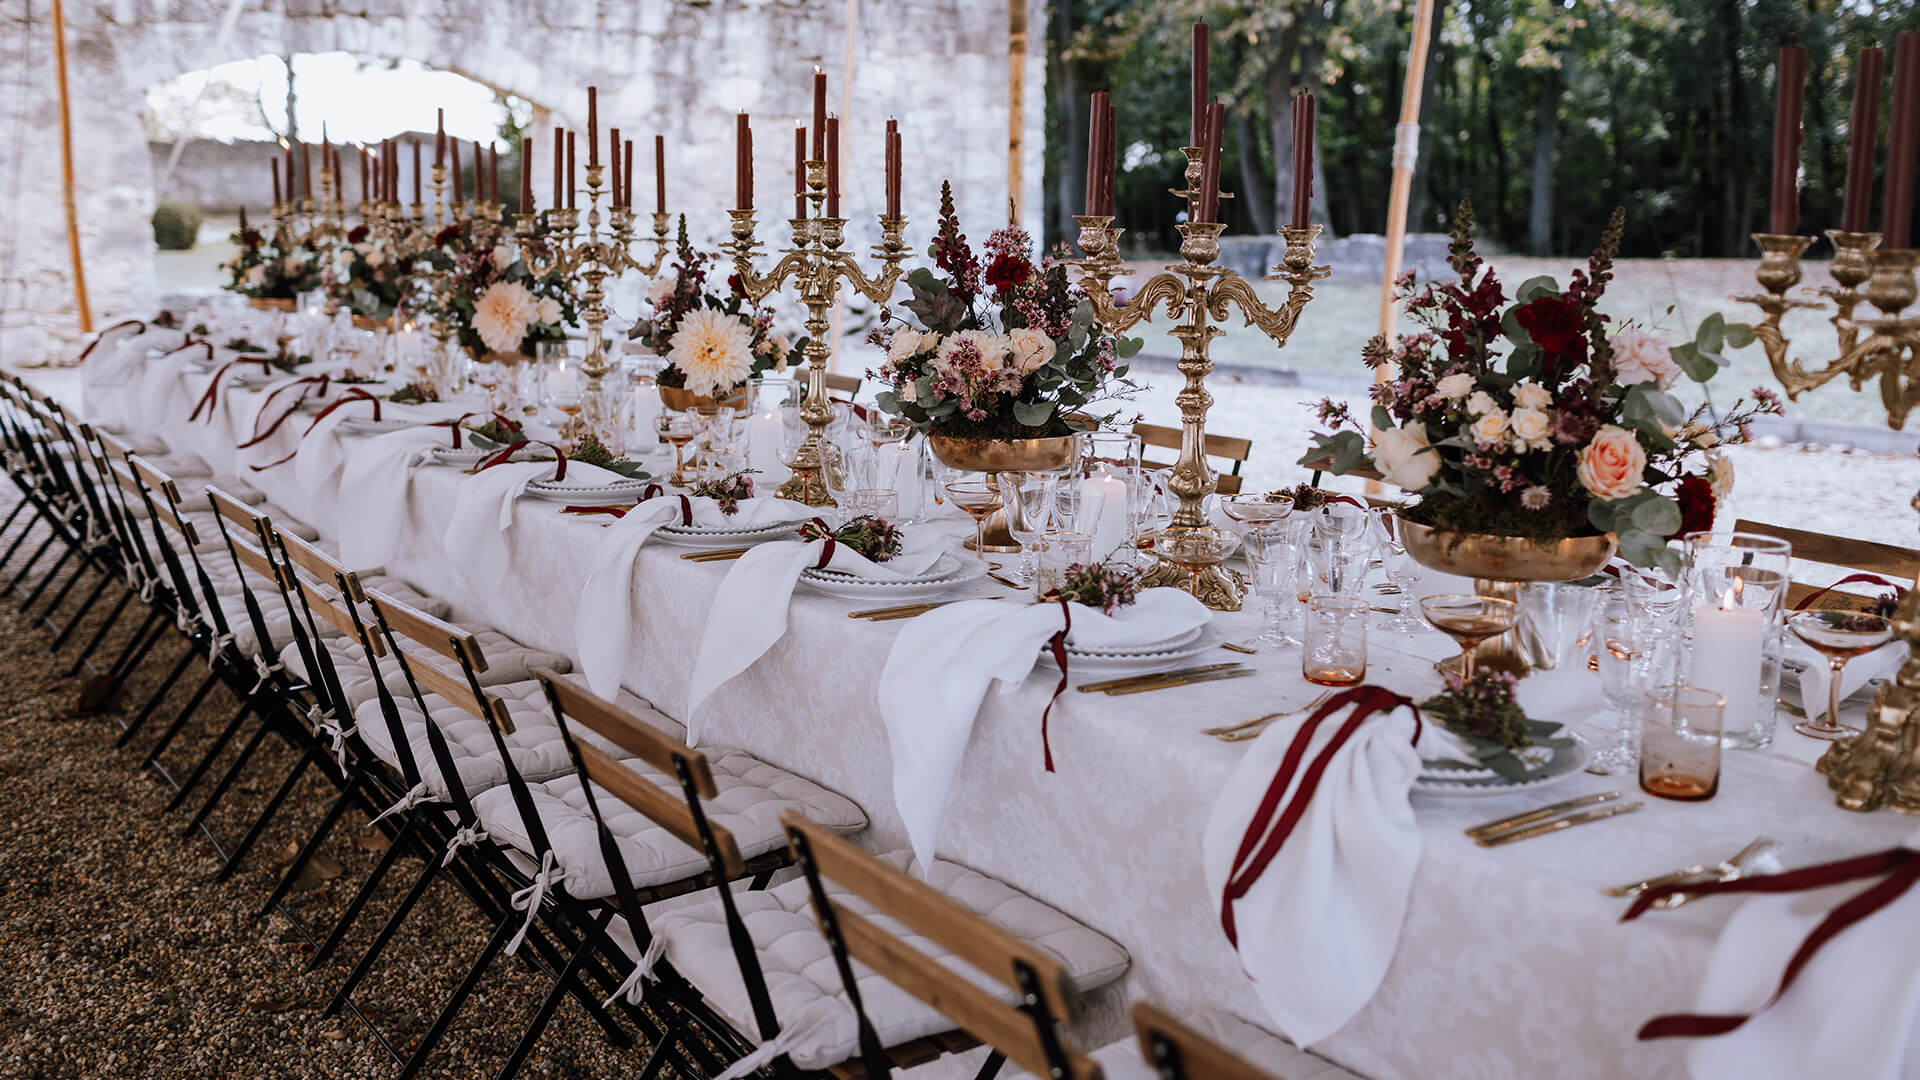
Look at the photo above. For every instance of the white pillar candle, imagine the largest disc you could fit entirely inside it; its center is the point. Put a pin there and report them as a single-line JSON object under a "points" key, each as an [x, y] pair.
{"points": [[897, 466], [642, 434], [1103, 512], [1727, 647], [765, 431]]}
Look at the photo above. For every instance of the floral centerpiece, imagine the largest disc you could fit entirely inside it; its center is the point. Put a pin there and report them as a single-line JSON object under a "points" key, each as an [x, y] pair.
{"points": [[263, 268], [713, 342], [376, 282], [1532, 419], [493, 303], [1005, 348]]}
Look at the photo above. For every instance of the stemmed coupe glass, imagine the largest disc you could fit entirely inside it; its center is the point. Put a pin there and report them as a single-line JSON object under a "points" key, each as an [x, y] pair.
{"points": [[979, 499], [1194, 550], [1469, 620], [1839, 636]]}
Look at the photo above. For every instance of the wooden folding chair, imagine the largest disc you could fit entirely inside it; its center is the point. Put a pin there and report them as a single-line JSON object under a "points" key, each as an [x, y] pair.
{"points": [[1027, 1034], [842, 387], [1233, 450], [1900, 566], [1178, 1052]]}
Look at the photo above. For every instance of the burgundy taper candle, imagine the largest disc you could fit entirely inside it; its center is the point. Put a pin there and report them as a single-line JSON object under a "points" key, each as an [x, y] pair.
{"points": [[1863, 139], [275, 162], [893, 167], [613, 162], [458, 192], [361, 152], [526, 174], [479, 190], [593, 125], [439, 136], [833, 166], [626, 177], [819, 114], [493, 173], [559, 167], [1210, 161], [1896, 221], [659, 172], [573, 176], [1789, 87], [1096, 154], [1108, 176], [306, 168], [1304, 128], [800, 170], [742, 153], [1200, 94], [416, 171]]}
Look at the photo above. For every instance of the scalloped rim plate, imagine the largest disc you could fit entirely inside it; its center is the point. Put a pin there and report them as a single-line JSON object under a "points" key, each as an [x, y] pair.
{"points": [[569, 493], [712, 539], [364, 425], [1205, 637], [951, 572], [1564, 763], [464, 457]]}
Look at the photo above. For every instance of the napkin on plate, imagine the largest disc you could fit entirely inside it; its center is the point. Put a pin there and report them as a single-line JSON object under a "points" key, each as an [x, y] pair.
{"points": [[603, 623], [1850, 1012], [749, 611], [943, 662], [1815, 672], [1317, 927], [476, 535]]}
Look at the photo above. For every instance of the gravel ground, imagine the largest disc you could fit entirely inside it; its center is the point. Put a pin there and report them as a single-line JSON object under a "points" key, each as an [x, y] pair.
{"points": [[121, 957]]}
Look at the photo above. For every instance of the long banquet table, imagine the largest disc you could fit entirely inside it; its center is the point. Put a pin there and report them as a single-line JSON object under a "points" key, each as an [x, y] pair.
{"points": [[1511, 963]]}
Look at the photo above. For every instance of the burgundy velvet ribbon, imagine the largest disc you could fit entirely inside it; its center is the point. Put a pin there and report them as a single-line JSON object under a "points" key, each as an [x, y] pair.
{"points": [[1057, 645], [655, 491], [826, 546], [88, 351], [455, 425], [1901, 867], [353, 393], [211, 399], [610, 511], [309, 385], [1265, 835], [504, 456], [1850, 579]]}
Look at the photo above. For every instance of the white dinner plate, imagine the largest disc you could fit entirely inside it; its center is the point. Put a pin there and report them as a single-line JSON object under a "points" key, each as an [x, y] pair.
{"points": [[951, 572], [715, 538], [366, 425], [1191, 644], [1471, 782], [466, 457], [585, 495], [1152, 646]]}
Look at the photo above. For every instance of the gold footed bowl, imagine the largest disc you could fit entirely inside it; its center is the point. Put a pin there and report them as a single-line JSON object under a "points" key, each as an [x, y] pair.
{"points": [[1499, 565], [996, 456], [680, 399], [271, 303]]}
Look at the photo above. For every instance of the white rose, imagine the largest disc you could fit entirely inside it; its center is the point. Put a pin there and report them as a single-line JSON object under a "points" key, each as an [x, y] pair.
{"points": [[1031, 349], [1532, 430], [1455, 387], [1640, 357], [256, 276], [1403, 457], [548, 310], [502, 257], [1482, 403], [1528, 394], [660, 291], [907, 342], [1491, 428]]}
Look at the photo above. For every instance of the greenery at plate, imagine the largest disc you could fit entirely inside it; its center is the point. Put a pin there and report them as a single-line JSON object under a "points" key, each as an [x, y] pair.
{"points": [[498, 431], [873, 537], [1102, 586], [591, 451], [728, 490], [1483, 713], [416, 393]]}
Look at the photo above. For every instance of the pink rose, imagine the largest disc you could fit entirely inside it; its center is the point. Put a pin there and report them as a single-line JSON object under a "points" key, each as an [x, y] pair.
{"points": [[1613, 465], [1640, 357]]}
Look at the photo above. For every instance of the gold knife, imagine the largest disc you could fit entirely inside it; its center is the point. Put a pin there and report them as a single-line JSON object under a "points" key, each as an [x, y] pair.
{"points": [[1557, 824], [1108, 684], [1187, 680], [1531, 816], [894, 610]]}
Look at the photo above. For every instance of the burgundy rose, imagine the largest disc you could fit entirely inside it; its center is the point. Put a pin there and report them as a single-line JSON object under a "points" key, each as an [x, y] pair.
{"points": [[1008, 272], [446, 236], [1555, 324], [734, 283], [357, 234], [1695, 496]]}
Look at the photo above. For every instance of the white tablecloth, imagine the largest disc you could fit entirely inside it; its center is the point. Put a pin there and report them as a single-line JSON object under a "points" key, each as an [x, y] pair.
{"points": [[1511, 962]]}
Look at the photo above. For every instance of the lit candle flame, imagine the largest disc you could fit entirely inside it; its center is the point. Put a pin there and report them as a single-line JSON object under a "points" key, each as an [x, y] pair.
{"points": [[1732, 597]]}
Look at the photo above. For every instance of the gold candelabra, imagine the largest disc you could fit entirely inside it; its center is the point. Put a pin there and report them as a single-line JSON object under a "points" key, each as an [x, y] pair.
{"points": [[553, 242], [816, 266], [1198, 293], [1880, 766]]}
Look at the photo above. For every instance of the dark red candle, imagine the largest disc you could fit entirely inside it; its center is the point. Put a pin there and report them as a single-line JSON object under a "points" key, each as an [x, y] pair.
{"points": [[493, 173], [613, 136], [1863, 139], [275, 162], [439, 136], [833, 166], [1200, 94], [893, 167], [742, 155], [526, 174], [1896, 222], [1789, 86], [573, 175], [1112, 142], [362, 153], [1210, 161], [819, 115], [659, 173], [1306, 110], [593, 125], [416, 171], [559, 167], [456, 172], [306, 169], [1096, 150], [800, 170], [479, 190]]}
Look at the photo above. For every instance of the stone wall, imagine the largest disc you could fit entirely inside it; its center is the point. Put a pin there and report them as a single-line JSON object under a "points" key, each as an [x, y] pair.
{"points": [[679, 68]]}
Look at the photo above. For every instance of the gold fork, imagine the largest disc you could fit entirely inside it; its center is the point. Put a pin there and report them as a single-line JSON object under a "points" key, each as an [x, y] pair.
{"points": [[1230, 731]]}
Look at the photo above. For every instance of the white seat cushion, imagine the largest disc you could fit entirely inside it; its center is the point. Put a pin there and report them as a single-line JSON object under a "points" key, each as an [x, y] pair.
{"points": [[193, 489], [1257, 1046], [535, 742], [508, 661], [804, 982], [182, 467], [751, 796]]}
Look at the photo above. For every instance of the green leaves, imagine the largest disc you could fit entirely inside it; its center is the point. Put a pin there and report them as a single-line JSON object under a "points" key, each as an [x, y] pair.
{"points": [[1346, 449], [1537, 287], [1126, 348], [1642, 522], [1032, 413]]}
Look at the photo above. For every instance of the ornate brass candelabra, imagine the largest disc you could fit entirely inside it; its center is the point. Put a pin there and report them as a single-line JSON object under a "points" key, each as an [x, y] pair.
{"points": [[552, 241], [1881, 766], [817, 266], [1199, 293]]}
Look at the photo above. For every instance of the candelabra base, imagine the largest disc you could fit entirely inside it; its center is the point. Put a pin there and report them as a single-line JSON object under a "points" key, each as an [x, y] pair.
{"points": [[808, 486], [1219, 588]]}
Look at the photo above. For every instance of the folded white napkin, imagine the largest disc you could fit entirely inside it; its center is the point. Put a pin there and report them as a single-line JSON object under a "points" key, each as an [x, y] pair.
{"points": [[943, 662], [749, 611], [1816, 671], [115, 353], [476, 535], [1317, 929], [1851, 1011], [378, 477], [603, 623]]}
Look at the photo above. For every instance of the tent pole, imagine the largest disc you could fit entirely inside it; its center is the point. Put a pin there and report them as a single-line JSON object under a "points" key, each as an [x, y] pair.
{"points": [[66, 168], [1406, 148], [1016, 107]]}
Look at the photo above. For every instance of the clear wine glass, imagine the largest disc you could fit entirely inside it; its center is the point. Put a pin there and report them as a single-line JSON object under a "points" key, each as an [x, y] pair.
{"points": [[1839, 636], [1028, 514], [1272, 555]]}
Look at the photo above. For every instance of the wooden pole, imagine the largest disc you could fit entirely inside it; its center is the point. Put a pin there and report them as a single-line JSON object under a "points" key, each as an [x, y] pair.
{"points": [[1016, 106], [66, 168], [1406, 148]]}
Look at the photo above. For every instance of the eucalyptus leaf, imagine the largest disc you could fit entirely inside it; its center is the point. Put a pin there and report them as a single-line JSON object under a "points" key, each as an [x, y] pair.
{"points": [[1382, 419], [1658, 516], [1127, 348], [1699, 368], [1711, 334], [1739, 335], [1537, 287], [1032, 413], [1510, 326]]}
